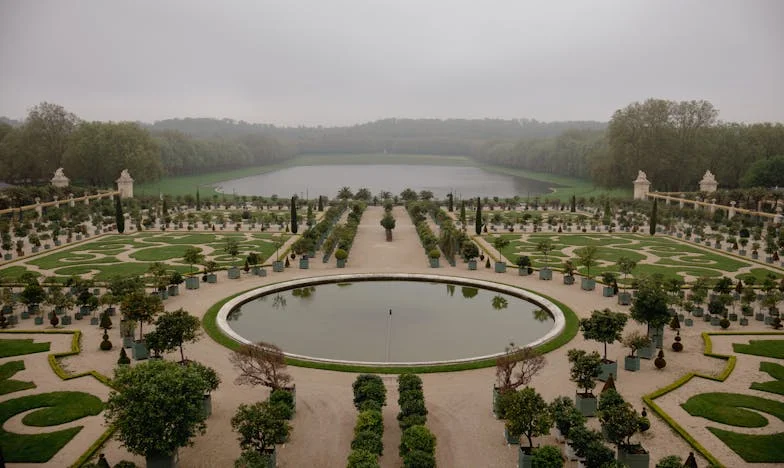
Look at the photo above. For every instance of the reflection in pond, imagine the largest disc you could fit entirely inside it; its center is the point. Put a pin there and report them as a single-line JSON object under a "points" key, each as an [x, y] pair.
{"points": [[234, 314], [469, 292], [303, 293], [541, 315], [450, 289], [278, 301], [500, 302]]}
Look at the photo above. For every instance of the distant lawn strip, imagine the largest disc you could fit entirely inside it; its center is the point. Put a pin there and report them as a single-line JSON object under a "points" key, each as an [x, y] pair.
{"points": [[105, 272], [184, 238], [760, 274], [13, 274], [730, 408], [566, 186], [766, 348], [753, 448], [57, 408], [210, 324], [20, 347], [8, 385], [69, 258], [159, 254], [773, 386]]}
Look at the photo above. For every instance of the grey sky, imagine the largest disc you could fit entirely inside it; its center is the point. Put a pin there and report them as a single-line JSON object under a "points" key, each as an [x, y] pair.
{"points": [[339, 62]]}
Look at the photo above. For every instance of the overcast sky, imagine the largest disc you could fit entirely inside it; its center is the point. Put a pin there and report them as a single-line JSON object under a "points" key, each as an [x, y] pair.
{"points": [[337, 62]]}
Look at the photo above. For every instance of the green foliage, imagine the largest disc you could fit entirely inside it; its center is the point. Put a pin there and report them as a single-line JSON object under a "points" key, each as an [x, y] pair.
{"points": [[478, 217], [730, 408], [586, 368], [21, 346], [766, 348], [417, 438], [119, 218], [157, 406], [55, 408], [565, 414], [294, 221], [767, 172], [604, 326], [176, 328], [259, 426], [252, 459], [369, 387], [670, 461], [362, 459], [8, 385], [526, 413], [368, 441], [369, 420], [141, 308], [650, 305], [548, 456], [753, 448], [419, 459]]}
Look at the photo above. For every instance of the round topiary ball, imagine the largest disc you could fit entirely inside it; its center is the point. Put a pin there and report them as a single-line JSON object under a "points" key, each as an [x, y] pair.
{"points": [[659, 362]]}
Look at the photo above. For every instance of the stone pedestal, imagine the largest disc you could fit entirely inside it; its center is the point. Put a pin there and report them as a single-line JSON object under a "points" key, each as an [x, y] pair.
{"points": [[641, 186], [59, 179], [125, 184], [731, 211]]}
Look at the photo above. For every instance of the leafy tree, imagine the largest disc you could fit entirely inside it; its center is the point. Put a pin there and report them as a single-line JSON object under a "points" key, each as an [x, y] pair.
{"points": [[176, 328], [565, 415], [232, 247], [118, 214], [587, 258], [345, 193], [469, 250], [362, 459], [526, 413], [260, 364], [548, 456], [604, 326], [369, 387], [528, 362], [478, 220], [670, 461], [767, 172], [545, 246], [626, 265], [259, 426], [620, 422], [388, 223], [417, 438], [294, 222], [586, 368], [650, 304], [193, 256], [141, 308], [156, 407]]}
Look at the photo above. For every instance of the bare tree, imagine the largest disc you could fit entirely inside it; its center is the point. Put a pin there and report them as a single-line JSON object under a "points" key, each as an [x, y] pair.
{"points": [[529, 361], [261, 364]]}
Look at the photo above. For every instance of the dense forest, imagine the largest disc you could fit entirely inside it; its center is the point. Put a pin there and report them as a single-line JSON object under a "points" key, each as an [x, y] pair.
{"points": [[673, 142]]}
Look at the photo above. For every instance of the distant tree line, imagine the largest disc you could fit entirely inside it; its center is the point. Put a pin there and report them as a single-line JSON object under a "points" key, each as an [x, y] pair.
{"points": [[673, 142]]}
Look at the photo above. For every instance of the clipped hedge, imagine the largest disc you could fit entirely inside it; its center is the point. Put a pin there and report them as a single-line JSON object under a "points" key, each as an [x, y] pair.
{"points": [[370, 396], [418, 444]]}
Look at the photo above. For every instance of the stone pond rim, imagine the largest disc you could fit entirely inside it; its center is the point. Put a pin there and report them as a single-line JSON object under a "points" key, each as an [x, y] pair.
{"points": [[555, 311]]}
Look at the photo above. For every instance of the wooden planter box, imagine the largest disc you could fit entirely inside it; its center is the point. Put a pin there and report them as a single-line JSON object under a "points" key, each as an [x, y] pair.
{"points": [[233, 273], [65, 319], [192, 282], [173, 290], [206, 405], [277, 266], [472, 264], [545, 274], [524, 459], [522, 271], [588, 284], [568, 280], [689, 322], [162, 461], [647, 353], [139, 351], [586, 405], [212, 278], [744, 321], [509, 438], [631, 363], [304, 263], [607, 369], [624, 298], [500, 267], [608, 291], [634, 460], [341, 263]]}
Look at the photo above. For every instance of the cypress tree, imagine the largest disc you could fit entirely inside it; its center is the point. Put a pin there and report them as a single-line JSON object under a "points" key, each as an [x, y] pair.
{"points": [[118, 214], [462, 213], [294, 224], [198, 200], [321, 203], [478, 226], [451, 202], [573, 208], [653, 217]]}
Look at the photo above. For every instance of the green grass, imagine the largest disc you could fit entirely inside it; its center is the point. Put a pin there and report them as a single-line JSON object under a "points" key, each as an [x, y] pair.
{"points": [[776, 371], [159, 254], [753, 448], [571, 327], [19, 347], [56, 408], [13, 273], [8, 385], [730, 408], [767, 348], [105, 272]]}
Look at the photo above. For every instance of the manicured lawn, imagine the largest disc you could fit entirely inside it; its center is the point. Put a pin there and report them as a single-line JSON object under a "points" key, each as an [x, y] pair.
{"points": [[158, 254], [56, 408], [13, 273], [753, 448], [730, 408], [776, 371], [105, 272], [8, 385], [20, 347], [767, 348]]}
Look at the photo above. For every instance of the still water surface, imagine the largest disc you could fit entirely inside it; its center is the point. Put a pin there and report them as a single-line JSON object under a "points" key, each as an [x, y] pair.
{"points": [[429, 321], [464, 181]]}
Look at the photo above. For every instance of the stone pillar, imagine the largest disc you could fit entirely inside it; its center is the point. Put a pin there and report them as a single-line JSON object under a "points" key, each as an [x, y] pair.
{"points": [[87, 199], [70, 200], [38, 208], [713, 206], [683, 195], [56, 202], [731, 211], [708, 184], [125, 184], [779, 218], [641, 186]]}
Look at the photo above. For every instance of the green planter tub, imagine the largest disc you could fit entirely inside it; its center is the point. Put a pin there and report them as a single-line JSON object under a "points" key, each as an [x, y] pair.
{"points": [[608, 368], [212, 278], [173, 290], [341, 263], [634, 457], [192, 282], [608, 291], [139, 351], [631, 363], [624, 298], [588, 284], [522, 271], [586, 404], [304, 263], [277, 266], [545, 274], [234, 273], [500, 267], [472, 264], [170, 460]]}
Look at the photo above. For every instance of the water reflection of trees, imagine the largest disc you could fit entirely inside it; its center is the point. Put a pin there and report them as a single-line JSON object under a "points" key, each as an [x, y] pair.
{"points": [[303, 293], [541, 315], [279, 301], [450, 289], [500, 302], [469, 292], [234, 314]]}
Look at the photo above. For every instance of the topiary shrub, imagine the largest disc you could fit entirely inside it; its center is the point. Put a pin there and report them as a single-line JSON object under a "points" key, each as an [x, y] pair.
{"points": [[369, 441], [369, 387], [548, 456], [124, 359], [417, 438], [659, 362], [362, 459], [419, 459], [724, 323], [677, 346], [106, 345], [487, 263], [670, 461]]}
